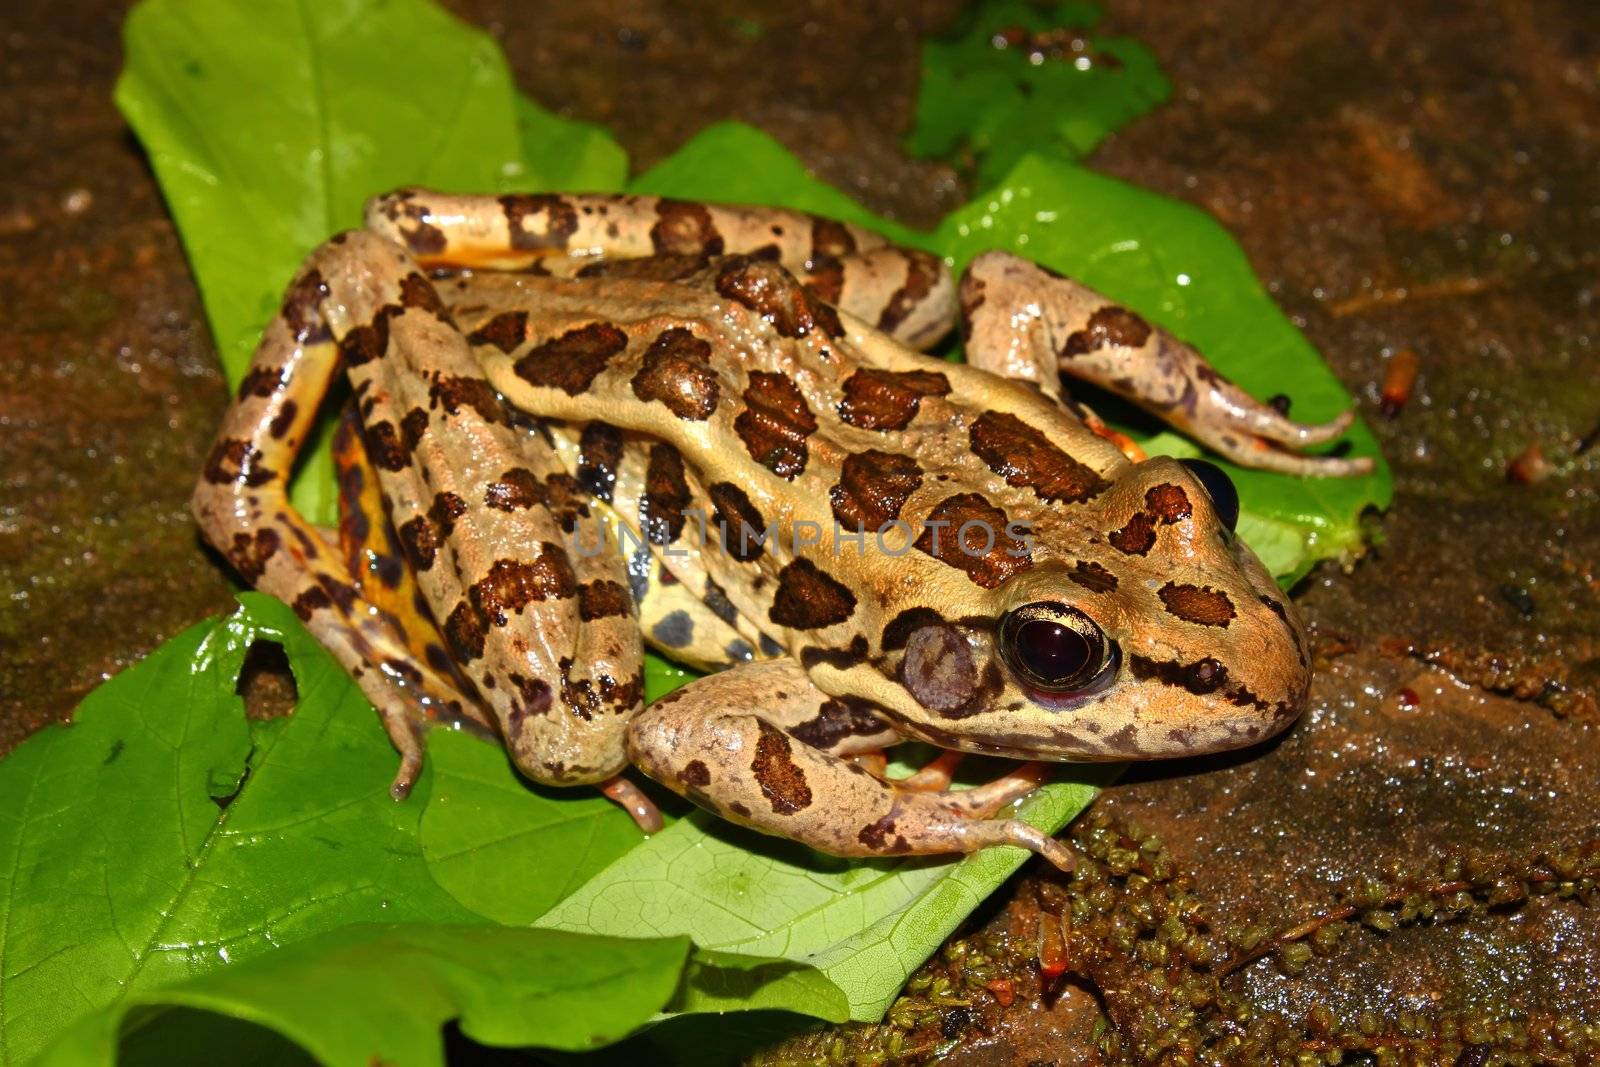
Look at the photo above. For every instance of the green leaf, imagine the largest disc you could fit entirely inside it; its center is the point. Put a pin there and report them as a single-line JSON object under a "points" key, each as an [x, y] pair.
{"points": [[1179, 267], [270, 124], [1021, 79], [381, 993], [865, 926], [488, 835]]}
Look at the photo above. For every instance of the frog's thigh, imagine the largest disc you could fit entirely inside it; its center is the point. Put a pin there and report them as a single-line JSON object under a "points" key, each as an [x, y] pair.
{"points": [[535, 608], [729, 742], [241, 504], [1024, 321]]}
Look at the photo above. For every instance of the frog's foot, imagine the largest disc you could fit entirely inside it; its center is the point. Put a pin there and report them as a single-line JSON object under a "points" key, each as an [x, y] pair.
{"points": [[633, 800], [1070, 330], [759, 770]]}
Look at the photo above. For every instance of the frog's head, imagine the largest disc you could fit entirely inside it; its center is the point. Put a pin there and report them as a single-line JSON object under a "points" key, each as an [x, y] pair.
{"points": [[1144, 628]]}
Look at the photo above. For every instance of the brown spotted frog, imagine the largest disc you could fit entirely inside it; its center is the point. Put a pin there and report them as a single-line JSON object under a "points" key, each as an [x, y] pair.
{"points": [[584, 424]]}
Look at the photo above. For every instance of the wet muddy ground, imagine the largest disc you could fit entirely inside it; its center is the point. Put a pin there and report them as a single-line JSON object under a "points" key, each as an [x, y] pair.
{"points": [[1405, 176]]}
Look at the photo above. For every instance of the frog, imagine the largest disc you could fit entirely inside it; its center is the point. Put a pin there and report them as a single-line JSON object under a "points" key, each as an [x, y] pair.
{"points": [[583, 424]]}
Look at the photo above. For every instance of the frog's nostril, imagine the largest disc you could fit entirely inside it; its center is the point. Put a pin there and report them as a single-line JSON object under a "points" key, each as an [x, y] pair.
{"points": [[1224, 495]]}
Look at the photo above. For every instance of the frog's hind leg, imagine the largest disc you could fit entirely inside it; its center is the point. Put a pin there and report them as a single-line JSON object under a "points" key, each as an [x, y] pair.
{"points": [[905, 292], [1024, 321], [760, 746], [242, 505]]}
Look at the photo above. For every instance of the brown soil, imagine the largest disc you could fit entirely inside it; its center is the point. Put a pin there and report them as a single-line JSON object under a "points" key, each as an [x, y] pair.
{"points": [[1405, 176]]}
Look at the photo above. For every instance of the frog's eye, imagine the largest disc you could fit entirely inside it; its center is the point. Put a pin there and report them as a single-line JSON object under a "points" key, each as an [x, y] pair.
{"points": [[1056, 648], [1224, 497]]}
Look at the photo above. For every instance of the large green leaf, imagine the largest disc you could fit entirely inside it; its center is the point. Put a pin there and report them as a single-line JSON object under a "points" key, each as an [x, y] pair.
{"points": [[1176, 265], [1020, 78], [269, 124], [382, 993]]}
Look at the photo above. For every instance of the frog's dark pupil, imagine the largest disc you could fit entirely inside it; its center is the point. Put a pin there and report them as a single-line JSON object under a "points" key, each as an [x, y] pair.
{"points": [[1052, 653], [1224, 497]]}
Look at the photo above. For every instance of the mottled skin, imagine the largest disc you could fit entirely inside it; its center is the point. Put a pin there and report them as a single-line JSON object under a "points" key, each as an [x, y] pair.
{"points": [[533, 373]]}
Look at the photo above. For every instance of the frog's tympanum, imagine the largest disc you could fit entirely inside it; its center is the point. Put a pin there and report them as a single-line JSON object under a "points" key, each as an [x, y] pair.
{"points": [[584, 423]]}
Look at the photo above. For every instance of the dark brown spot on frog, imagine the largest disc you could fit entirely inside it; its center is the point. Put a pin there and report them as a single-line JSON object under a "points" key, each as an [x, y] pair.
{"points": [[283, 421], [1106, 327], [309, 601], [342, 594], [233, 461], [739, 809], [403, 670], [560, 221], [780, 778], [1024, 457], [1168, 502], [968, 533], [383, 445], [1163, 505], [1200, 678], [512, 584], [939, 668], [465, 631], [456, 393], [602, 599], [411, 219], [516, 489], [684, 229], [877, 836], [302, 309], [262, 381], [840, 659], [696, 773], [572, 361], [445, 510], [809, 599], [903, 625], [768, 289], [1200, 605], [888, 400], [565, 501], [824, 280], [505, 331], [365, 343], [417, 292], [599, 453], [873, 487], [740, 526], [676, 370], [412, 427], [420, 539], [1093, 577], [775, 423], [250, 552], [923, 270], [666, 494], [533, 697], [830, 238], [836, 721]]}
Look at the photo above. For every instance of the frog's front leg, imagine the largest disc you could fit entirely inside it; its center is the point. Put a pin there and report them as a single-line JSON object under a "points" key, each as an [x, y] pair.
{"points": [[1024, 321], [762, 747]]}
